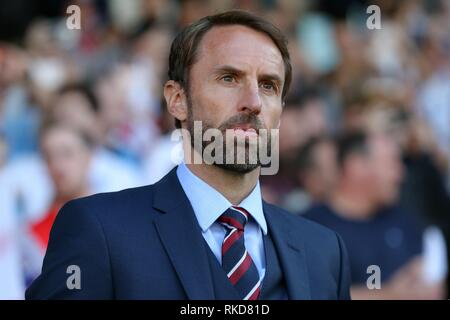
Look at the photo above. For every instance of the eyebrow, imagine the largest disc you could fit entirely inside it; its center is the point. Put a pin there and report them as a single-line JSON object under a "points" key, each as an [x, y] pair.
{"points": [[230, 69], [227, 69]]}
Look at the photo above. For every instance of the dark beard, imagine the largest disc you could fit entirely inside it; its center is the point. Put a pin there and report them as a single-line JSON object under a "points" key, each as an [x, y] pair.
{"points": [[250, 119]]}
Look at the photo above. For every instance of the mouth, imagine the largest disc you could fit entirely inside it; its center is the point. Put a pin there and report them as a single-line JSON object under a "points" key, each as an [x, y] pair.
{"points": [[244, 130]]}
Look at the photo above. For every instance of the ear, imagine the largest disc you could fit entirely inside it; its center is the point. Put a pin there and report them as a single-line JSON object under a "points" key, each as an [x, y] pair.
{"points": [[176, 100]]}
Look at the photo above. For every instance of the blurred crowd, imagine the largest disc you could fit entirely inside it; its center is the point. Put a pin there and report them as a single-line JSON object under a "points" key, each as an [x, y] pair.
{"points": [[364, 137]]}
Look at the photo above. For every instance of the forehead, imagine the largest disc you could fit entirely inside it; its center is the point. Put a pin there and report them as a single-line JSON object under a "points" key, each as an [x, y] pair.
{"points": [[59, 136], [382, 146], [240, 46]]}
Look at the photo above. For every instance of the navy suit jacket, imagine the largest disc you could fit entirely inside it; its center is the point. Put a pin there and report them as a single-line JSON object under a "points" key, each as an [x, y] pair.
{"points": [[145, 243]]}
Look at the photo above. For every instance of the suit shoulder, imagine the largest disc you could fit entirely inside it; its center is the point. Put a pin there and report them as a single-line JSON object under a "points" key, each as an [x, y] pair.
{"points": [[109, 203]]}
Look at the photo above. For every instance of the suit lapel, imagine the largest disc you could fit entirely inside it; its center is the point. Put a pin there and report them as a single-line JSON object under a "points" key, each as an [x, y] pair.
{"points": [[291, 252], [181, 236]]}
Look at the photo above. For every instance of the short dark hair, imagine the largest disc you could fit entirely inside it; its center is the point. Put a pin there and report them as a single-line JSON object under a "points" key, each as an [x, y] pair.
{"points": [[84, 89], [301, 96], [183, 51], [351, 143], [48, 123], [305, 160]]}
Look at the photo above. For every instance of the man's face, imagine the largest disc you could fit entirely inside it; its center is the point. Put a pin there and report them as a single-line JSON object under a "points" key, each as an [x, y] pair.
{"points": [[387, 168], [236, 83], [67, 158], [301, 123], [324, 174], [73, 108]]}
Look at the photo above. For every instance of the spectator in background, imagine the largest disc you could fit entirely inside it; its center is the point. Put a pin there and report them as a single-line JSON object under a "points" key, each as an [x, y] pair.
{"points": [[19, 117], [67, 152], [316, 172], [423, 190], [12, 285], [376, 232], [167, 151], [76, 104], [303, 117]]}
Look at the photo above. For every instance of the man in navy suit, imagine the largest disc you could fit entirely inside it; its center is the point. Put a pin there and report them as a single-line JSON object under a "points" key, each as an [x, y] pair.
{"points": [[203, 231]]}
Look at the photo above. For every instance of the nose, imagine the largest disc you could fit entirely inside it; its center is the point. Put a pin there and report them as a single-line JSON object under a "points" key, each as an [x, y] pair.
{"points": [[250, 101]]}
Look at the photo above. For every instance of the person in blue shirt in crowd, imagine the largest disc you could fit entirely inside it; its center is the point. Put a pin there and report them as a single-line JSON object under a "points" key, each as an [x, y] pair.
{"points": [[376, 232]]}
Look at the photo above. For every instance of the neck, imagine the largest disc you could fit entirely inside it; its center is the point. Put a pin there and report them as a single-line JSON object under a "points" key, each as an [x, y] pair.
{"points": [[234, 186], [352, 204], [62, 198]]}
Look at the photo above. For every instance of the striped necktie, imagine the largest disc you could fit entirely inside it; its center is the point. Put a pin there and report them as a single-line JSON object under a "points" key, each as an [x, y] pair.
{"points": [[236, 260]]}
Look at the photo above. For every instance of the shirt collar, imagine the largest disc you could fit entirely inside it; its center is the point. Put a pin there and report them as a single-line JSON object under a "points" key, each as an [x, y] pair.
{"points": [[209, 204]]}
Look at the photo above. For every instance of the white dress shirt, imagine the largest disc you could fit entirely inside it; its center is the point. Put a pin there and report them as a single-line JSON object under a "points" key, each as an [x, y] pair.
{"points": [[209, 204]]}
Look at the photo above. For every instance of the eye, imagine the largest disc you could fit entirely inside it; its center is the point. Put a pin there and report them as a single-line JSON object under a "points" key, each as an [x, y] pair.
{"points": [[269, 86], [227, 78]]}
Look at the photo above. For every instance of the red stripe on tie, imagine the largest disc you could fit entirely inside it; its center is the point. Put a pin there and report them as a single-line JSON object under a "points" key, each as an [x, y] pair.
{"points": [[245, 212], [255, 294], [232, 222], [230, 241], [241, 270]]}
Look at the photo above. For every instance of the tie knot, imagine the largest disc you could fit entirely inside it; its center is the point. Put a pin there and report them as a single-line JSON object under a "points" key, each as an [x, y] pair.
{"points": [[234, 217]]}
